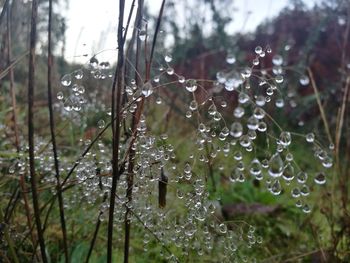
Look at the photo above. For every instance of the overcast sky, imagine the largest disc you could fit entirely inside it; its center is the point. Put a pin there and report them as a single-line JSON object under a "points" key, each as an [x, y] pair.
{"points": [[91, 25]]}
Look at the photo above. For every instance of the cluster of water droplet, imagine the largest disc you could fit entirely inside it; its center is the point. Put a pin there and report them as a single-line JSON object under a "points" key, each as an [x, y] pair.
{"points": [[192, 225], [73, 94], [255, 90], [43, 159]]}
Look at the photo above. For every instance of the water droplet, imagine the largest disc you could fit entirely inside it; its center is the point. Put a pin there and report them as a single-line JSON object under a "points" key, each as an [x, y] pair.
{"points": [[306, 209], [276, 165], [200, 213], [193, 105], [168, 57], [243, 98], [236, 129], [246, 73], [93, 62], [258, 50], [181, 79], [231, 58], [252, 123], [259, 113], [233, 81], [276, 187], [279, 103], [289, 157], [298, 203], [256, 62], [78, 74], [170, 71], [245, 141], [320, 178], [269, 91], [305, 191], [142, 35], [190, 229], [277, 60], [310, 137], [260, 100], [302, 177], [179, 194], [262, 126], [221, 77], [191, 85], [255, 167], [147, 89], [288, 172], [156, 79], [238, 112], [187, 168], [222, 228], [60, 95], [238, 156], [295, 192], [66, 80], [327, 162], [223, 104], [285, 138], [304, 80], [81, 89], [279, 78]]}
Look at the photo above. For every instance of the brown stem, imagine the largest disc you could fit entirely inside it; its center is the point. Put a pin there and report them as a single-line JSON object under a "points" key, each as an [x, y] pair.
{"points": [[156, 34], [320, 106], [135, 120], [31, 85], [116, 101], [53, 137]]}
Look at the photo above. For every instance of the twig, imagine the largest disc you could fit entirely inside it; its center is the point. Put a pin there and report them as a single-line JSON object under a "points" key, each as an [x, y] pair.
{"points": [[93, 241], [129, 19], [323, 115], [131, 155], [156, 33], [53, 137], [341, 119], [116, 101], [31, 85]]}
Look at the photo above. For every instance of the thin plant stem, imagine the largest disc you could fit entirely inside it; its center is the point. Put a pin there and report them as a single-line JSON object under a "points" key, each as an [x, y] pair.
{"points": [[116, 101], [129, 19], [53, 136], [97, 227], [131, 155], [31, 85], [320, 107], [156, 34], [341, 119]]}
